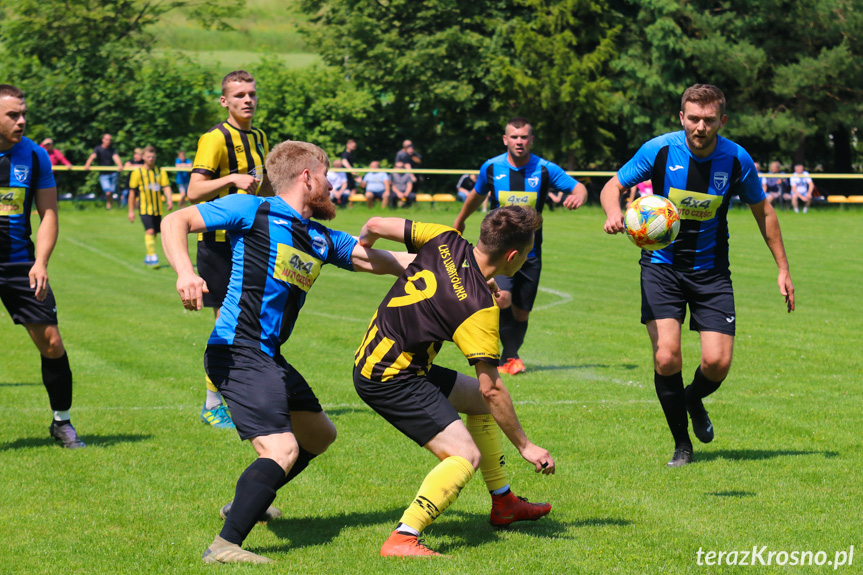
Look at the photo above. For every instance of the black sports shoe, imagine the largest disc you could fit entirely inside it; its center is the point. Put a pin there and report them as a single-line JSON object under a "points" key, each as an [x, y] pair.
{"points": [[701, 424], [63, 432], [682, 456]]}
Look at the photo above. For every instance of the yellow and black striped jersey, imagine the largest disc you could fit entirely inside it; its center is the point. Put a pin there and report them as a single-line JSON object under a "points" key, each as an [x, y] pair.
{"points": [[224, 150], [441, 296], [148, 186]]}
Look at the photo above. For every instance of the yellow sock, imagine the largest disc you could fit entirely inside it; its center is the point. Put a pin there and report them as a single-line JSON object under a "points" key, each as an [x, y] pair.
{"points": [[210, 385], [440, 488], [487, 436], [150, 243]]}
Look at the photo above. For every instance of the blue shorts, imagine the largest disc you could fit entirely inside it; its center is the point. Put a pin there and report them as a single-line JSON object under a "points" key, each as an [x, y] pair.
{"points": [[377, 195], [665, 293], [108, 182]]}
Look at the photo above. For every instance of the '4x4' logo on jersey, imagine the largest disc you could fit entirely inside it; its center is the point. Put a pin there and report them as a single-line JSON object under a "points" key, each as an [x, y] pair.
{"points": [[300, 265]]}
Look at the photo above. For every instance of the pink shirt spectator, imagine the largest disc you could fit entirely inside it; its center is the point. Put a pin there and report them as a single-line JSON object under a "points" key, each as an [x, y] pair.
{"points": [[645, 188], [55, 155]]}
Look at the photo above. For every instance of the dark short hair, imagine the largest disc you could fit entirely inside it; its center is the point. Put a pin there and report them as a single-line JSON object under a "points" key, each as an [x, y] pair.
{"points": [[236, 76], [519, 122], [704, 95], [507, 228], [8, 90]]}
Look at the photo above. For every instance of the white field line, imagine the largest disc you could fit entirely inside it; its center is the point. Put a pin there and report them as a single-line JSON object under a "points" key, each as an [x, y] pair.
{"points": [[106, 255], [564, 298]]}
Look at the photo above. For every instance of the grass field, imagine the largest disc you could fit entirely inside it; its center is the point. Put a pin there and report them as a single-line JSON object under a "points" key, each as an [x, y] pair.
{"points": [[783, 472]]}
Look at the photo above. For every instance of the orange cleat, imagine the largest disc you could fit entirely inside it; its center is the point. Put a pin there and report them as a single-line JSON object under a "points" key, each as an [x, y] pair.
{"points": [[402, 544], [513, 366], [509, 508]]}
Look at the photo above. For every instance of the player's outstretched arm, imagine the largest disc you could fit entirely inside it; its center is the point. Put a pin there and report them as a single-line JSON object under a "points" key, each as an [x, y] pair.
{"points": [[496, 396], [46, 239], [576, 198], [768, 223], [610, 200], [202, 188], [380, 262], [471, 204], [175, 229], [386, 228]]}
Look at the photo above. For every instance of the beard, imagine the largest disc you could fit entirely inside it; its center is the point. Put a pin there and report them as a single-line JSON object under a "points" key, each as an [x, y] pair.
{"points": [[322, 207]]}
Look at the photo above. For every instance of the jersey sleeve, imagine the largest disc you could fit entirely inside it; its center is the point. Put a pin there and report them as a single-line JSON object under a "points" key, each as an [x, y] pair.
{"points": [[266, 150], [209, 154], [640, 167], [163, 179], [418, 234], [233, 212], [559, 179], [135, 180], [482, 187], [46, 172], [749, 188], [343, 247], [477, 337]]}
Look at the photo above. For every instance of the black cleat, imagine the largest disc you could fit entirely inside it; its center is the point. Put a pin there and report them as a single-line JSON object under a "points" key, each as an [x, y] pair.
{"points": [[701, 424], [682, 456], [63, 432]]}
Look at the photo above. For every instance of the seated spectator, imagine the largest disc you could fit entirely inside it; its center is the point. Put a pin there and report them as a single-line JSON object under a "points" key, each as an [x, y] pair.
{"points": [[776, 189], [464, 187], [376, 184], [802, 188], [339, 181], [182, 176], [403, 187]]}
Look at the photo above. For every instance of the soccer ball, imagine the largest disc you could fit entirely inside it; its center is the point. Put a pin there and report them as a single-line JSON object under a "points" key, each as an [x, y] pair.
{"points": [[652, 222]]}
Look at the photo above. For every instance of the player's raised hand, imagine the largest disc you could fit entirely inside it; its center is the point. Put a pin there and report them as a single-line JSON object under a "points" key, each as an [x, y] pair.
{"points": [[192, 288], [540, 458], [246, 182]]}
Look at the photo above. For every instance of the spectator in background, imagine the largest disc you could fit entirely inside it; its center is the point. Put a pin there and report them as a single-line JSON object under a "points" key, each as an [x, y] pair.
{"points": [[130, 166], [642, 189], [408, 155], [802, 189], [775, 188], [57, 158], [348, 162], [181, 163], [339, 181], [403, 186], [377, 185], [107, 156], [464, 187]]}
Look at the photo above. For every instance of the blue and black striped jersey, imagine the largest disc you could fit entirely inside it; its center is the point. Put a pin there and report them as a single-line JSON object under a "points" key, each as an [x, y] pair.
{"points": [[702, 189], [24, 169], [277, 256], [524, 186]]}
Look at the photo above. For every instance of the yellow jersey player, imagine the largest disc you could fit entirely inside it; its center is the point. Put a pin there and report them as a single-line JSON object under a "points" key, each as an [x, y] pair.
{"points": [[229, 160], [443, 296], [148, 183]]}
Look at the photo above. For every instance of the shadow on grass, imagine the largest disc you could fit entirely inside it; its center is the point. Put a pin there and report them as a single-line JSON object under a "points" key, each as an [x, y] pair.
{"points": [[732, 493], [531, 368], [90, 440], [758, 454], [345, 410], [20, 384], [306, 531]]}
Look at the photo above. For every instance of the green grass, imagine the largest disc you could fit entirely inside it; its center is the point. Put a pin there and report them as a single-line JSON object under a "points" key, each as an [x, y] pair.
{"points": [[144, 496]]}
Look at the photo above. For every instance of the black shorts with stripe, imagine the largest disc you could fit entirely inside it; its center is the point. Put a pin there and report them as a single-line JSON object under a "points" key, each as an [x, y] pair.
{"points": [[261, 391], [665, 293], [214, 266], [20, 299], [524, 285], [417, 406]]}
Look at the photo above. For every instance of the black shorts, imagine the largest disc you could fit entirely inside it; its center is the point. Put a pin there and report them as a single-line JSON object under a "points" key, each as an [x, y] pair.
{"points": [[151, 222], [261, 391], [524, 284], [214, 265], [418, 407], [665, 292], [20, 299]]}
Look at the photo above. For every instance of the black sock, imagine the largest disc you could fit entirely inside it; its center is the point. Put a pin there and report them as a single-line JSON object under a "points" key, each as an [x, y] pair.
{"points": [[256, 490], [507, 335], [57, 378], [301, 463], [519, 331], [669, 390], [700, 388]]}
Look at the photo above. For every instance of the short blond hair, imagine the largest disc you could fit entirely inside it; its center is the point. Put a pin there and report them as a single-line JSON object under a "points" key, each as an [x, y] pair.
{"points": [[287, 161]]}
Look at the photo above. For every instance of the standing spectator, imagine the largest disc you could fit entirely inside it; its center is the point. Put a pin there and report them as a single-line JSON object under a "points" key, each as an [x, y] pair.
{"points": [[181, 163], [408, 155], [348, 162], [802, 188], [27, 180], [339, 182], [106, 156], [130, 166], [775, 188], [56, 157], [149, 183], [377, 185], [403, 186]]}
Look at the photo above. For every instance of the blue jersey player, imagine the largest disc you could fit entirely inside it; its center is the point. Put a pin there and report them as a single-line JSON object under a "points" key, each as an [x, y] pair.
{"points": [[700, 172], [519, 178], [26, 179], [277, 254]]}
